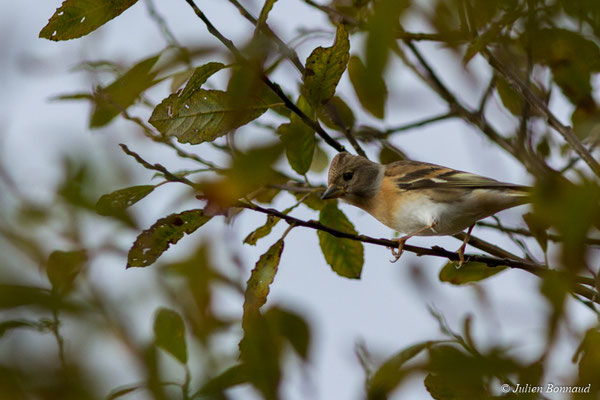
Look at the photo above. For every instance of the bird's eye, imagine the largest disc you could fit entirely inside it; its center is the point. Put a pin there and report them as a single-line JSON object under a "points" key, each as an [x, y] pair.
{"points": [[348, 175]]}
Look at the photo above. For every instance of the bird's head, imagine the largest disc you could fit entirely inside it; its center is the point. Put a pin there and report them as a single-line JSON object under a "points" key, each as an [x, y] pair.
{"points": [[352, 178]]}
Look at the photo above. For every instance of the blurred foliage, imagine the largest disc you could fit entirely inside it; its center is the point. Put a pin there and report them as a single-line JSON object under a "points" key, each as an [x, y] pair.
{"points": [[51, 249]]}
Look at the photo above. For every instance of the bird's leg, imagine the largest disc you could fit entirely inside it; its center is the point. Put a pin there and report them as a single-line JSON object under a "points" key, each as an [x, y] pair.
{"points": [[397, 252], [461, 249]]}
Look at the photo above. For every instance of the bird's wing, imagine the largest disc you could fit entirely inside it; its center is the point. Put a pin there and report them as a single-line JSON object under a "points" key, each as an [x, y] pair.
{"points": [[412, 175]]}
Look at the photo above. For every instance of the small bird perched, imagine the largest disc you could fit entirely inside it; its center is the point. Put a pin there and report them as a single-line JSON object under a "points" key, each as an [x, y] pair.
{"points": [[420, 199]]}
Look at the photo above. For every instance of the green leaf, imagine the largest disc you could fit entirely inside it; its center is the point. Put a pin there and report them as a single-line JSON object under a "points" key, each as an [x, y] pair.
{"points": [[72, 96], [324, 68], [12, 296], [116, 202], [320, 160], [6, 326], [345, 256], [262, 230], [442, 387], [571, 57], [169, 334], [76, 18], [370, 90], [586, 121], [263, 274], [538, 229], [389, 375], [292, 327], [249, 174], [261, 349], [198, 78], [390, 154], [456, 374], [337, 114], [179, 78], [264, 12], [470, 272], [63, 267], [232, 376], [120, 94], [383, 28], [298, 140], [116, 393], [589, 363], [510, 98], [313, 201], [151, 243], [206, 115]]}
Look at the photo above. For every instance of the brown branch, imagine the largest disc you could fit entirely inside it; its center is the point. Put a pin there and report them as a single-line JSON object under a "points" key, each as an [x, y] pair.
{"points": [[273, 86], [533, 268]]}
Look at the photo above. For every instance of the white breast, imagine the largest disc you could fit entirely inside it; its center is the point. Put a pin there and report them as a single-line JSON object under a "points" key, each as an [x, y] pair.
{"points": [[446, 218]]}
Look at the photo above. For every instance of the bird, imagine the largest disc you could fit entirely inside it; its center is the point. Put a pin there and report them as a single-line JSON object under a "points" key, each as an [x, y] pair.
{"points": [[418, 198]]}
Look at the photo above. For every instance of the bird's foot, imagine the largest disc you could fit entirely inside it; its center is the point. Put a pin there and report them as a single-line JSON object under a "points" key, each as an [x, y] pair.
{"points": [[461, 256], [397, 251], [461, 249]]}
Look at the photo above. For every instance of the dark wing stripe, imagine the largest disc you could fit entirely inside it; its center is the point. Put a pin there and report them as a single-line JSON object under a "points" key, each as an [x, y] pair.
{"points": [[449, 174], [430, 184]]}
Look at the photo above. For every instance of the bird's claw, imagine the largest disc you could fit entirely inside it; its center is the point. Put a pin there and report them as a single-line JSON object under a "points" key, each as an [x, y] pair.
{"points": [[461, 260], [397, 252], [461, 257]]}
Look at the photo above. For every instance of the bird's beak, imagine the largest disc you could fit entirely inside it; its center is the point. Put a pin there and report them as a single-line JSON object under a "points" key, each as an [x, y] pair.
{"points": [[333, 192]]}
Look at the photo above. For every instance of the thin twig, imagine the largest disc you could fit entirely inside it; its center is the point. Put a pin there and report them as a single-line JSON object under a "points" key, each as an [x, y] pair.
{"points": [[60, 341], [486, 95], [162, 25], [157, 167], [418, 124], [149, 132]]}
